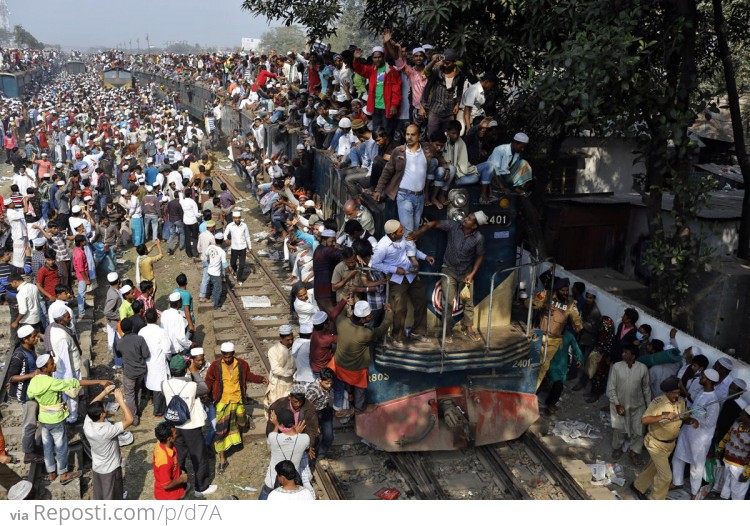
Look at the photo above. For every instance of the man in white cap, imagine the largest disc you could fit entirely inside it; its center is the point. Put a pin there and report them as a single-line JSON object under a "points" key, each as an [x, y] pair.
{"points": [[300, 352], [160, 349], [696, 438], [730, 409], [241, 245], [384, 88], [507, 163], [61, 341], [227, 379], [352, 357], [112, 313], [175, 324], [216, 259], [734, 448], [390, 257], [151, 208], [281, 374], [724, 367], [464, 255], [21, 370], [49, 392]]}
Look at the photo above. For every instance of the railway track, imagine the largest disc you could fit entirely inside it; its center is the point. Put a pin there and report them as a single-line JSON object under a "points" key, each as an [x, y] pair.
{"points": [[418, 476]]}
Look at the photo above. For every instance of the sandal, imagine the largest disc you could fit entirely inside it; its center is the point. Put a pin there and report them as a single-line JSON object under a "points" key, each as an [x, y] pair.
{"points": [[72, 475], [472, 335]]}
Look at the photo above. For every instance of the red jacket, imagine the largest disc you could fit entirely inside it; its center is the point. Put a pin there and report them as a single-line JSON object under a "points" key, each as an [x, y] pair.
{"points": [[216, 385], [391, 86]]}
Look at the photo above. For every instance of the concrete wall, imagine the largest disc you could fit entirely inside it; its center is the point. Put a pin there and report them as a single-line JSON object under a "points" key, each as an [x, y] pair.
{"points": [[612, 306], [608, 164]]}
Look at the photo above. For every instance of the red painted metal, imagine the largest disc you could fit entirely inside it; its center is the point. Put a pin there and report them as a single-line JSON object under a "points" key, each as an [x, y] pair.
{"points": [[494, 416]]}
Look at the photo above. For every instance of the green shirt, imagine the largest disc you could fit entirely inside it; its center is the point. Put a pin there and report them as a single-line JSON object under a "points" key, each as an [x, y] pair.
{"points": [[47, 392], [379, 100], [126, 310]]}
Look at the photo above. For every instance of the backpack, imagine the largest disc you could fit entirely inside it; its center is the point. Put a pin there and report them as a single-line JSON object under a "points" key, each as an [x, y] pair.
{"points": [[177, 410]]}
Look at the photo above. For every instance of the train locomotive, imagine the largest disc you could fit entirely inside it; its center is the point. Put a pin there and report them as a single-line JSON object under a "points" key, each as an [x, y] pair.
{"points": [[436, 396]]}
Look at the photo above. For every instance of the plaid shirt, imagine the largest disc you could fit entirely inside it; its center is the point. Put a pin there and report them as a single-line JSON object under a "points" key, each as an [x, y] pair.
{"points": [[319, 397], [61, 249], [376, 295]]}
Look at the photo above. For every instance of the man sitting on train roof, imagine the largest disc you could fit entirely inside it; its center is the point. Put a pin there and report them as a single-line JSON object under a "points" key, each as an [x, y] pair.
{"points": [[463, 258], [553, 318]]}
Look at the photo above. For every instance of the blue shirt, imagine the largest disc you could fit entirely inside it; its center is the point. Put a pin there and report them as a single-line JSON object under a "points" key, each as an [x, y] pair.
{"points": [[187, 299], [151, 173], [389, 256]]}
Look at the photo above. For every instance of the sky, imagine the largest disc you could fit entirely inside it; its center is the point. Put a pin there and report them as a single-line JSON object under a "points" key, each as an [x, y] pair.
{"points": [[85, 23]]}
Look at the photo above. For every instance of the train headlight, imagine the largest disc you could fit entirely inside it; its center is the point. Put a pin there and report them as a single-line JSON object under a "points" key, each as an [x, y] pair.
{"points": [[504, 202], [458, 204]]}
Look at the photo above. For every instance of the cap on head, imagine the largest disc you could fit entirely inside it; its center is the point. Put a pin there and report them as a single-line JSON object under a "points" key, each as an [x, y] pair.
{"points": [[227, 347], [25, 331], [113, 277], [319, 317], [726, 363], [362, 309], [285, 330], [740, 383], [391, 226], [712, 374], [42, 360], [521, 137], [175, 296], [480, 217], [125, 289]]}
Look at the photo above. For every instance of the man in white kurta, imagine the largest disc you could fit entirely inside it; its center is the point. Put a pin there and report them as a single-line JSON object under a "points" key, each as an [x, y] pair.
{"points": [[724, 367], [696, 437], [173, 321], [157, 365], [66, 352], [301, 353], [281, 375], [629, 393]]}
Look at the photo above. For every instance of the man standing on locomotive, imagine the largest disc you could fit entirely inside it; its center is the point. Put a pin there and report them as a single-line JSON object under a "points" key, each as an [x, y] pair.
{"points": [[463, 257], [554, 316]]}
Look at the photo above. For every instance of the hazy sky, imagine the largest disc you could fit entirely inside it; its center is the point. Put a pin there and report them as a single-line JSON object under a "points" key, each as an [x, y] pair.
{"points": [[84, 23]]}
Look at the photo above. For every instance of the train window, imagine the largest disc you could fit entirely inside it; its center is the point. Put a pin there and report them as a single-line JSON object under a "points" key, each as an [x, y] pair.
{"points": [[110, 74]]}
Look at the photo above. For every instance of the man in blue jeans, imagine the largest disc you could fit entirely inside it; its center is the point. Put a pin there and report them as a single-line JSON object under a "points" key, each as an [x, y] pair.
{"points": [[174, 216], [217, 265]]}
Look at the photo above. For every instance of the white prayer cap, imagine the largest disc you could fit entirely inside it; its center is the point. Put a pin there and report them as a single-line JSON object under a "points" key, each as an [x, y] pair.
{"points": [[20, 490], [219, 236], [418, 50], [592, 291], [328, 233], [725, 362], [227, 347], [175, 296], [125, 168], [712, 375], [480, 217], [149, 188], [428, 47], [310, 203], [42, 360], [521, 137], [345, 123], [285, 330], [56, 310], [150, 160], [236, 213], [40, 242], [59, 165], [124, 191], [739, 382], [378, 49], [306, 328], [300, 146], [319, 317], [391, 226], [165, 199], [362, 309], [76, 209], [60, 183], [112, 277], [197, 351], [266, 161], [24, 331], [125, 289]]}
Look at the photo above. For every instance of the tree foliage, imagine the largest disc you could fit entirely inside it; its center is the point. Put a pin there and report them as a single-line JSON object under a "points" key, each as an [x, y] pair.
{"points": [[24, 39], [283, 39]]}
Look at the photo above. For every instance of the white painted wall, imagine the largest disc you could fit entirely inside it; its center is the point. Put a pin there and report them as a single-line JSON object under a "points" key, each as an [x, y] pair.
{"points": [[608, 164], [612, 306]]}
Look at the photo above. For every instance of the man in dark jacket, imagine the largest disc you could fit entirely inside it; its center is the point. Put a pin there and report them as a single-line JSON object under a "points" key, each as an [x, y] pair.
{"points": [[227, 380], [134, 351]]}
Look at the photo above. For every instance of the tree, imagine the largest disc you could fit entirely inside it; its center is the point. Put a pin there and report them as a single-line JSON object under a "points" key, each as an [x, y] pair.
{"points": [[25, 39], [283, 39]]}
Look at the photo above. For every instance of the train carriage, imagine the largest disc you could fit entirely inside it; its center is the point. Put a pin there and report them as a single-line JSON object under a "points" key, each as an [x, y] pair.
{"points": [[75, 67], [440, 396], [117, 78]]}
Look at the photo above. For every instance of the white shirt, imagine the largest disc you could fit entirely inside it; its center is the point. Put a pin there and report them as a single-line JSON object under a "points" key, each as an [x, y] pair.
{"points": [[17, 221], [217, 260], [28, 304], [134, 207], [160, 348], [176, 178], [301, 354], [306, 309], [190, 213], [415, 171], [345, 143], [474, 98], [174, 323], [186, 389], [240, 236]]}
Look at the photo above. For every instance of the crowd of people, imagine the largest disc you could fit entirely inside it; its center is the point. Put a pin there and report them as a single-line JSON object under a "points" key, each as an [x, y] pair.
{"points": [[14, 60], [684, 410], [98, 173]]}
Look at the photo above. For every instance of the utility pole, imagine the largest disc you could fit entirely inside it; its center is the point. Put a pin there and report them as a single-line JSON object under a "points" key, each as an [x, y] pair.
{"points": [[148, 44], [131, 46], [138, 43]]}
